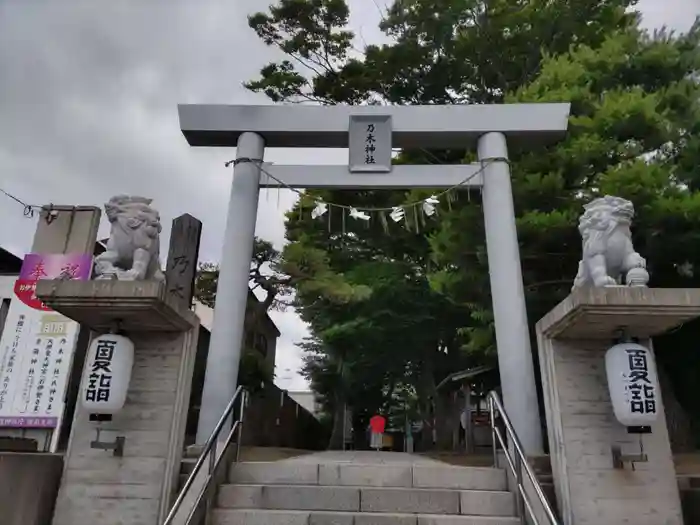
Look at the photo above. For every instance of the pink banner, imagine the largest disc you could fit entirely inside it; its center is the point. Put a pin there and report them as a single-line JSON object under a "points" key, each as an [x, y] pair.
{"points": [[38, 266]]}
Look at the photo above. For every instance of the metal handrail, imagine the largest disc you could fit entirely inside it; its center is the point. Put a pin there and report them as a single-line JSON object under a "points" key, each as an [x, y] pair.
{"points": [[517, 464], [210, 449]]}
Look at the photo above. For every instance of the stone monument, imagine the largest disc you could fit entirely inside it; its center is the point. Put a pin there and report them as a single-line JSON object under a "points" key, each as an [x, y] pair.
{"points": [[608, 254], [133, 248], [604, 471], [122, 467]]}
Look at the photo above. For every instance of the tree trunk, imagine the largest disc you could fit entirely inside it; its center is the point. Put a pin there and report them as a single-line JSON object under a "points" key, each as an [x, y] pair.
{"points": [[430, 405], [337, 436], [445, 407], [337, 439], [426, 435]]}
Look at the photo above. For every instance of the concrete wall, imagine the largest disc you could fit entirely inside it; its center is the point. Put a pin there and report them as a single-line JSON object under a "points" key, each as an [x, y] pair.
{"points": [[273, 419], [28, 487], [135, 489]]}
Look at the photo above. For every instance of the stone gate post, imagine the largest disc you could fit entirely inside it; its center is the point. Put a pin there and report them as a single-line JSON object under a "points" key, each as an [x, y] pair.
{"points": [[127, 474], [584, 435]]}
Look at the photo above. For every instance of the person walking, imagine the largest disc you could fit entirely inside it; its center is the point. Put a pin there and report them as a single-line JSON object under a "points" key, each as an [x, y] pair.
{"points": [[377, 425]]}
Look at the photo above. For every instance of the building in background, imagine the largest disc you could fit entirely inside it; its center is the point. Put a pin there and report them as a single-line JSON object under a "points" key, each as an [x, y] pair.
{"points": [[308, 400], [264, 340], [10, 265]]}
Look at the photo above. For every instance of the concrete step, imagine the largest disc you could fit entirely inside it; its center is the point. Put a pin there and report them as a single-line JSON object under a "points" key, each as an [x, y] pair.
{"points": [[181, 479], [290, 517], [367, 499], [187, 465], [368, 475]]}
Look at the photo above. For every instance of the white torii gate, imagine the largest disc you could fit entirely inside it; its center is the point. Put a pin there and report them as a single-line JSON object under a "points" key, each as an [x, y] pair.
{"points": [[488, 127]]}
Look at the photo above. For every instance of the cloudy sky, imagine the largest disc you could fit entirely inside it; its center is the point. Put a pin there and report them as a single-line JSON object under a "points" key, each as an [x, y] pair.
{"points": [[88, 95]]}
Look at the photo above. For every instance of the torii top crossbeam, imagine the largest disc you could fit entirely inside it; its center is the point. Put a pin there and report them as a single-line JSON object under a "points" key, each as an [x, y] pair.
{"points": [[433, 126]]}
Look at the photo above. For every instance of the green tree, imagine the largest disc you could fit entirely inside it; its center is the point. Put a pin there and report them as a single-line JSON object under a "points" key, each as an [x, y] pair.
{"points": [[278, 278], [265, 273], [441, 51], [633, 133], [366, 351]]}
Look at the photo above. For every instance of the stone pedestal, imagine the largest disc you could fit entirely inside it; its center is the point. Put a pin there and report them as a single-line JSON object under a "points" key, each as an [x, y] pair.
{"points": [[582, 428], [137, 488]]}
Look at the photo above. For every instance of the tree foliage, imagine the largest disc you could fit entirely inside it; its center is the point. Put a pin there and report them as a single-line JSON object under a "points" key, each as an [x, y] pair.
{"points": [[405, 307], [265, 273]]}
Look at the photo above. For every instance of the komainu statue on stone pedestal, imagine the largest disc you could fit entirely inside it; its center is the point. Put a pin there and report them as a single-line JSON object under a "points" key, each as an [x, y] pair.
{"points": [[133, 248], [608, 254]]}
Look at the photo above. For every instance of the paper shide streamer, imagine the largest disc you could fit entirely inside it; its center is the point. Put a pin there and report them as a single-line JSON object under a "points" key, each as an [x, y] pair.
{"points": [[411, 215]]}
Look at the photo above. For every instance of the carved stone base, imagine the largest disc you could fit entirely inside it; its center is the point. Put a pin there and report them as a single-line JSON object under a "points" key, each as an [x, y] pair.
{"points": [[597, 313], [141, 306]]}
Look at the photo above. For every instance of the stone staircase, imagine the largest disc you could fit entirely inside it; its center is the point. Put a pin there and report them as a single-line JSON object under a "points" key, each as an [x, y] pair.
{"points": [[363, 488]]}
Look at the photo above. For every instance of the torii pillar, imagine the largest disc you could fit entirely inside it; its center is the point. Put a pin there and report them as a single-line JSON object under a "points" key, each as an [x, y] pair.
{"points": [[488, 127]]}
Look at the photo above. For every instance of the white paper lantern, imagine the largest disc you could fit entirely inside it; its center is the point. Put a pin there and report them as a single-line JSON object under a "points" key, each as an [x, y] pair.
{"points": [[633, 384], [107, 374]]}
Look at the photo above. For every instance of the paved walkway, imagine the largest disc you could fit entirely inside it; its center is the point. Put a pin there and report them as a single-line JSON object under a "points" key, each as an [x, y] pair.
{"points": [[364, 457]]}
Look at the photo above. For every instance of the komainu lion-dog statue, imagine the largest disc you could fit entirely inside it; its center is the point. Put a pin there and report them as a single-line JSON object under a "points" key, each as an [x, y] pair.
{"points": [[608, 253], [133, 248]]}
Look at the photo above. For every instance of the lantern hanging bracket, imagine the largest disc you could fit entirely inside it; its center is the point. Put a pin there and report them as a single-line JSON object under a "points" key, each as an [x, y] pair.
{"points": [[116, 327], [116, 446], [619, 459], [622, 335]]}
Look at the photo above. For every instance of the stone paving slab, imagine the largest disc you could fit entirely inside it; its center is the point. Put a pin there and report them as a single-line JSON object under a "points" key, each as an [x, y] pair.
{"points": [[288, 517], [364, 457], [366, 499], [369, 470]]}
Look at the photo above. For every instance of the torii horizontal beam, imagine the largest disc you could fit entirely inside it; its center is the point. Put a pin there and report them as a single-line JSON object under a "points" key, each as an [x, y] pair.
{"points": [[401, 176], [303, 126]]}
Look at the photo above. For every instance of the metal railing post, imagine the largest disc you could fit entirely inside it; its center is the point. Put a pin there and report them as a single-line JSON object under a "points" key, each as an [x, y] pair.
{"points": [[210, 448], [520, 500], [519, 466], [244, 400], [493, 433], [212, 458]]}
